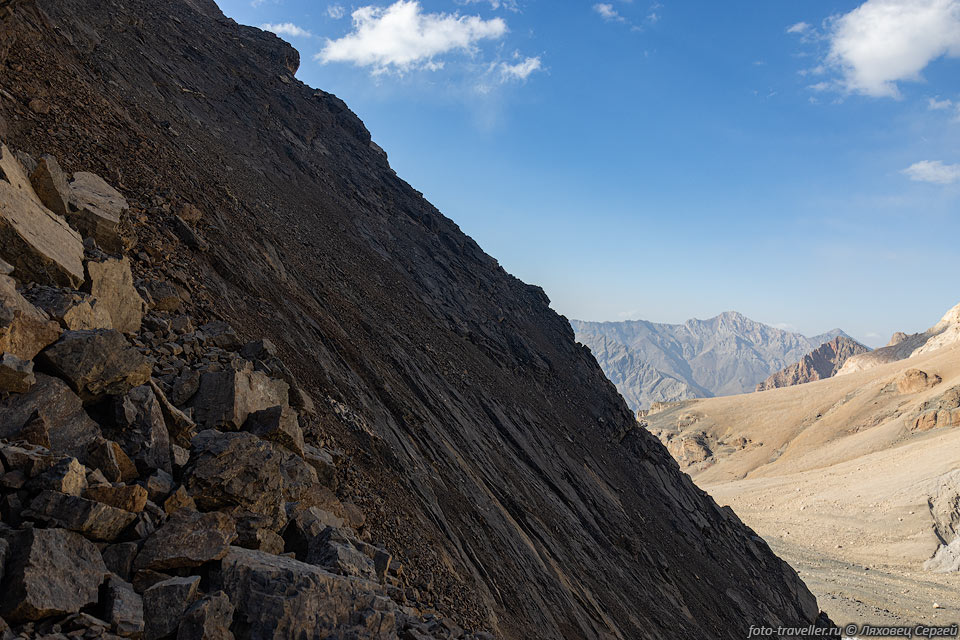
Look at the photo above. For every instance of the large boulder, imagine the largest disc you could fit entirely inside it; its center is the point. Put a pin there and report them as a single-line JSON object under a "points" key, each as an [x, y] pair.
{"points": [[226, 398], [278, 597], [124, 608], [111, 282], [24, 329], [37, 242], [70, 430], [129, 497], [187, 539], [49, 572], [75, 311], [95, 210], [94, 520], [141, 429], [96, 363], [279, 425], [241, 471]]}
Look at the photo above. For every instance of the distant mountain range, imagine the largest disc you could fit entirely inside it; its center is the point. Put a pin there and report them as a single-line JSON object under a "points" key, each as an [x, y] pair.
{"points": [[725, 355]]}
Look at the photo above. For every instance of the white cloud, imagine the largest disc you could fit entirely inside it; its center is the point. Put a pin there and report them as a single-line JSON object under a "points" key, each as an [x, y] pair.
{"points": [[520, 70], [935, 104], [509, 5], [402, 37], [933, 171], [607, 12], [800, 27], [336, 11], [286, 29], [883, 42]]}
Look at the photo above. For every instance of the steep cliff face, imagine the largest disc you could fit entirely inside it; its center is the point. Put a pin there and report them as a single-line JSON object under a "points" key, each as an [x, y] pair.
{"points": [[485, 446], [821, 363]]}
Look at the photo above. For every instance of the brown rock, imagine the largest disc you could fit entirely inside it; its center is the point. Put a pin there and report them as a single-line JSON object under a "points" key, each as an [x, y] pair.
{"points": [[16, 375], [179, 499], [38, 243], [822, 363], [163, 296], [119, 558], [279, 425], [180, 427], [93, 520], [109, 458], [131, 497], [74, 310], [111, 282], [165, 603], [50, 572], [159, 485], [208, 619], [915, 381], [227, 398], [187, 539], [31, 460], [71, 431], [24, 329], [96, 363], [95, 210], [50, 185]]}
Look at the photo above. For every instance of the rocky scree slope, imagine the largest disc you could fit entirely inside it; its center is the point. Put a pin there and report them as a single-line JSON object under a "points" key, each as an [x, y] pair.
{"points": [[483, 446], [821, 363], [729, 354]]}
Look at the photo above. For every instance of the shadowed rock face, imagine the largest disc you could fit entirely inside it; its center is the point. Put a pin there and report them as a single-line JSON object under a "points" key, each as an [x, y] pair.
{"points": [[821, 363], [488, 449]]}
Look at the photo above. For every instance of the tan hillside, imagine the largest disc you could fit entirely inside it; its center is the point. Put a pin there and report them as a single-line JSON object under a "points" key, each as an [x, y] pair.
{"points": [[853, 479]]}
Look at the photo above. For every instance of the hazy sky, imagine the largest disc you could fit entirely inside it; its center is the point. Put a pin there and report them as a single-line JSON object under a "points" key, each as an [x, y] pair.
{"points": [[796, 161]]}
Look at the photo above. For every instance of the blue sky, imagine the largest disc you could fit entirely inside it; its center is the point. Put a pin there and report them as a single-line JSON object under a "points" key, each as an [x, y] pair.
{"points": [[795, 161]]}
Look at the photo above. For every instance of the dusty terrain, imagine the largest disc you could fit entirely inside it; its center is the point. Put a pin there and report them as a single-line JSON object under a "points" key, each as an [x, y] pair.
{"points": [[838, 477]]}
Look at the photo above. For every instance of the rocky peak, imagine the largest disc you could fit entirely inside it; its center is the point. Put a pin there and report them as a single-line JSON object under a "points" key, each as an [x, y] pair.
{"points": [[821, 363]]}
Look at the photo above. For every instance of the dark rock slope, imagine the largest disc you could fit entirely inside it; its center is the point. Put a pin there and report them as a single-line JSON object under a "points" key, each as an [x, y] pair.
{"points": [[485, 448], [821, 363]]}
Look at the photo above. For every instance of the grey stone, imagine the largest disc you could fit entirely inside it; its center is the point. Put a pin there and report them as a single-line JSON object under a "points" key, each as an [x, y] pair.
{"points": [[141, 429], [50, 572], [279, 425], [226, 398], [164, 604], [119, 558], [50, 185], [110, 281], [74, 310], [208, 619], [66, 476], [95, 209], [124, 608]]}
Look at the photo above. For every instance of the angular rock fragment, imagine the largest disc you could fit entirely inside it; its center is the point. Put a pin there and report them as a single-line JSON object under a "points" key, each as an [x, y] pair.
{"points": [[307, 526], [129, 497], [159, 485], [95, 210], [227, 398], [50, 185], [93, 520], [50, 572], [109, 458], [124, 608], [24, 329], [71, 431], [279, 425], [220, 334], [277, 597], [111, 282], [38, 243], [119, 558], [165, 603], [30, 459], [915, 381], [187, 539], [208, 619], [322, 462], [96, 363], [16, 375], [335, 549], [163, 296], [180, 427], [141, 429], [185, 387], [74, 310], [66, 476], [177, 500]]}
